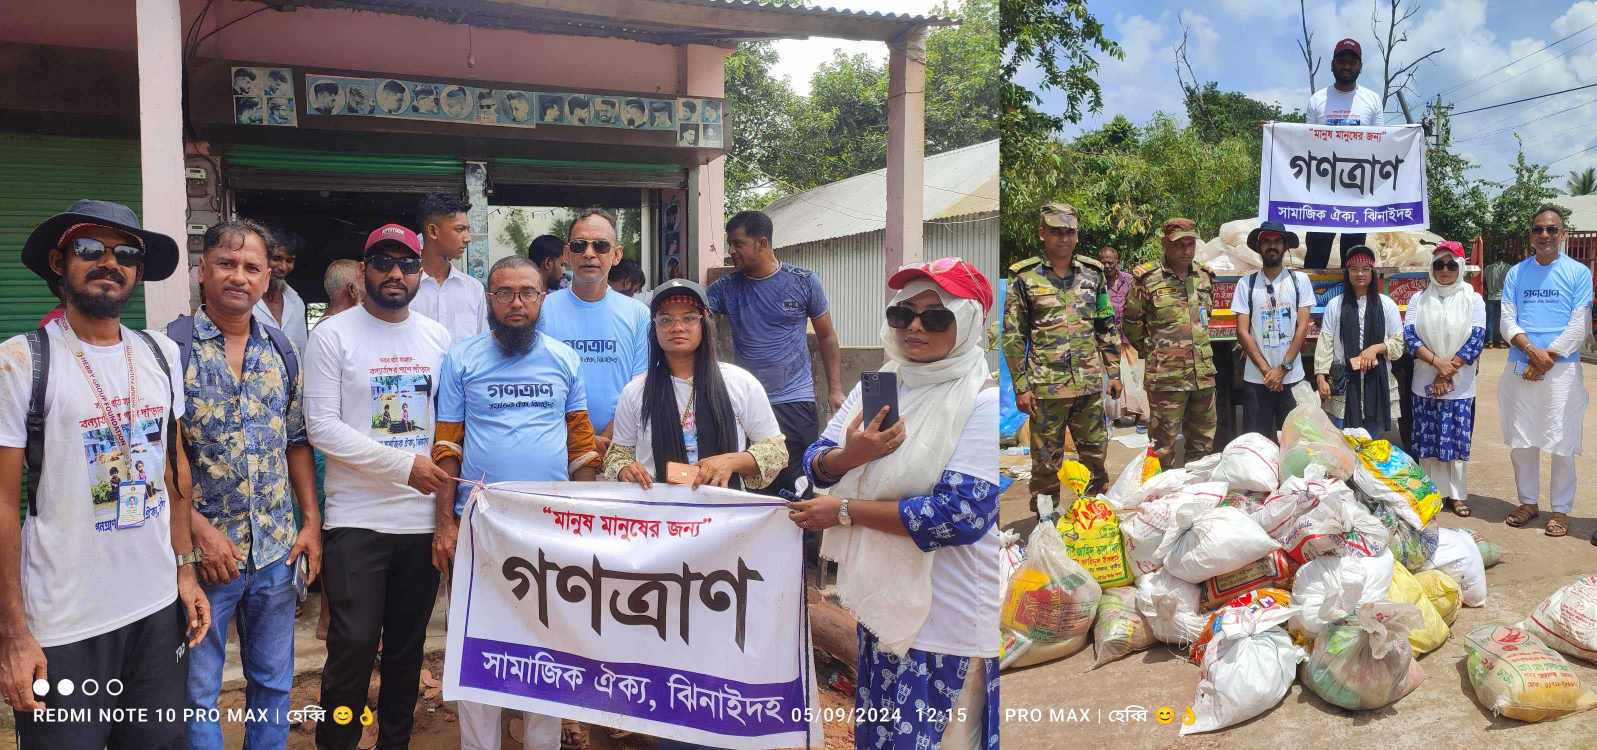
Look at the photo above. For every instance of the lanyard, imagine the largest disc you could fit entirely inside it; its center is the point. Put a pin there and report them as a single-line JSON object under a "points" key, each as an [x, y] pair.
{"points": [[100, 399]]}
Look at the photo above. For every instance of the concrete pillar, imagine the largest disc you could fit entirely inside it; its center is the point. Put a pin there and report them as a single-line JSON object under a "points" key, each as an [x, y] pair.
{"points": [[906, 149], [706, 218], [159, 25]]}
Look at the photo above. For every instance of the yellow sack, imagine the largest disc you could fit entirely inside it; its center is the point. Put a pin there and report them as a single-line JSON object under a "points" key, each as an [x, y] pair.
{"points": [[1443, 591], [1405, 590], [1517, 676], [1091, 531]]}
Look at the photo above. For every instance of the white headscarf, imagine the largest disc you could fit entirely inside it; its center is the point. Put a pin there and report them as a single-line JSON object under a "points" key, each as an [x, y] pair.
{"points": [[1445, 316], [885, 579]]}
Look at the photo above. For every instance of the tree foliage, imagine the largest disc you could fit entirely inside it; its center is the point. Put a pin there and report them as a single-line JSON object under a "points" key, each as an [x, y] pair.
{"points": [[1583, 182], [1512, 208], [1458, 204]]}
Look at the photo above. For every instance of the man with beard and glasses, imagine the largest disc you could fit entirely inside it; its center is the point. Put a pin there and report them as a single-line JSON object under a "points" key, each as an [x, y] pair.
{"points": [[282, 307], [1272, 308], [511, 407], [95, 576], [1343, 103], [378, 525]]}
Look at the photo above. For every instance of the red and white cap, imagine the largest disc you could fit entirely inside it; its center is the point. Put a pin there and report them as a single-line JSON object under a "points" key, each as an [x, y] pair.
{"points": [[396, 234], [953, 275], [1450, 246]]}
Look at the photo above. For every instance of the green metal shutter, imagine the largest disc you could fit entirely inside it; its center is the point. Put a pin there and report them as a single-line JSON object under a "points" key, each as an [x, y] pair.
{"points": [[274, 168], [44, 175]]}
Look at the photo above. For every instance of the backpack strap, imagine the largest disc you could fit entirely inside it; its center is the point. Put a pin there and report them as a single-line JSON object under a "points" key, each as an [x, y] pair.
{"points": [[33, 453], [170, 429], [285, 349]]}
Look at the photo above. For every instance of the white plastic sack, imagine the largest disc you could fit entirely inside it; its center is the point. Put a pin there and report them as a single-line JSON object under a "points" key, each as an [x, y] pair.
{"points": [[1247, 669], [1328, 589], [1458, 556], [1129, 490], [1205, 543], [1336, 523], [1143, 528], [1567, 620], [1170, 605], [1202, 470], [1250, 463]]}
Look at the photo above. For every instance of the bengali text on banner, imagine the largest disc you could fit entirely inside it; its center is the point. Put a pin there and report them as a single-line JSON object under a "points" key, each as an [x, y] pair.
{"points": [[1343, 178]]}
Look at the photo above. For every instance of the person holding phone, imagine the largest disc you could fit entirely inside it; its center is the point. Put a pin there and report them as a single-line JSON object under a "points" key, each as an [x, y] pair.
{"points": [[911, 517], [1361, 335], [688, 408]]}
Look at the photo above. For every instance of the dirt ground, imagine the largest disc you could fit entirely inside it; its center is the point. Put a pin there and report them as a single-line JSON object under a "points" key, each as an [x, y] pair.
{"points": [[1442, 712]]}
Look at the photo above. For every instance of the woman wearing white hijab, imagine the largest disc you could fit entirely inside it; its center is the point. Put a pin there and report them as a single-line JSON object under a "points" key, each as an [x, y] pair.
{"points": [[1446, 330], [911, 519]]}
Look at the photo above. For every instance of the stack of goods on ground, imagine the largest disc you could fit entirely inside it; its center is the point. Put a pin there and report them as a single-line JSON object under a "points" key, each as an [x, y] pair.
{"points": [[1319, 560]]}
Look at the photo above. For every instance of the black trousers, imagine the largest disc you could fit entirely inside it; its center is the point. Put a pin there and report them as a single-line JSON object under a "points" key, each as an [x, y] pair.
{"points": [[1263, 410], [145, 663], [800, 425], [1317, 247], [380, 588]]}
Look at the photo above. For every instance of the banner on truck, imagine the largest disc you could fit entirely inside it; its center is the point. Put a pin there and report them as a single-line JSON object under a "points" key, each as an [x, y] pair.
{"points": [[1343, 178]]}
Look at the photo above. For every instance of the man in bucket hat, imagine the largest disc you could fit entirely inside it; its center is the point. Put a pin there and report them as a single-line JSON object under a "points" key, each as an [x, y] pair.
{"points": [[1272, 308], [96, 582]]}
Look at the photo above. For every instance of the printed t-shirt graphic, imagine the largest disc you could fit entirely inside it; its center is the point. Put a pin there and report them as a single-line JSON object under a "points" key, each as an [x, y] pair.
{"points": [[612, 338]]}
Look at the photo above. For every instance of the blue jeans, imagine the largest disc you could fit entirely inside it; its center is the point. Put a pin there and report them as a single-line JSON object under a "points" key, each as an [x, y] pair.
{"points": [[262, 601]]}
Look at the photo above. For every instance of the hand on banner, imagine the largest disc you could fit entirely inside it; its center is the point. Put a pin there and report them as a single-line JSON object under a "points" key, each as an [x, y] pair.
{"points": [[21, 663], [195, 606], [635, 473], [445, 532], [219, 558], [425, 476], [717, 470], [816, 514]]}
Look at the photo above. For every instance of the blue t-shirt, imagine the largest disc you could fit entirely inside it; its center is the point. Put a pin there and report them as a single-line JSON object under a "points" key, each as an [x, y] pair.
{"points": [[514, 409], [612, 338], [769, 319], [1545, 298]]}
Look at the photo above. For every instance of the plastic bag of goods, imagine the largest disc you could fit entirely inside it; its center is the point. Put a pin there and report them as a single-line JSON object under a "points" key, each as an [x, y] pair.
{"points": [[1516, 675], [1120, 629], [1141, 480], [1010, 555], [1491, 553], [1412, 546], [1328, 589], [1257, 599], [1170, 606], [1143, 528], [1049, 607], [1309, 438], [1364, 661], [1389, 476], [1443, 591], [1205, 543], [1567, 620], [1202, 470], [1274, 570], [1250, 463], [1091, 532], [1333, 523], [1458, 556], [1247, 669], [1431, 631]]}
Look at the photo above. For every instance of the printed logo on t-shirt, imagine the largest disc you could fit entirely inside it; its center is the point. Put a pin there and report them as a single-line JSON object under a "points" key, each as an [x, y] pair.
{"points": [[792, 306], [1346, 119], [518, 395], [401, 403], [594, 351], [127, 490]]}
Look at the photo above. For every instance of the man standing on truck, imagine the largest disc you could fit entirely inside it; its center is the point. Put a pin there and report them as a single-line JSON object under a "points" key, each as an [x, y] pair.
{"points": [[1343, 103], [1272, 308], [1059, 339], [1167, 320]]}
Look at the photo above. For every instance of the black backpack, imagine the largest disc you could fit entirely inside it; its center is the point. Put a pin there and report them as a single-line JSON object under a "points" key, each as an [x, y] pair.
{"points": [[181, 331]]}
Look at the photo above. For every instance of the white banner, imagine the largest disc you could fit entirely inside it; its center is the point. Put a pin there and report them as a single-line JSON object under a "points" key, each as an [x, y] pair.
{"points": [[1343, 178], [670, 612]]}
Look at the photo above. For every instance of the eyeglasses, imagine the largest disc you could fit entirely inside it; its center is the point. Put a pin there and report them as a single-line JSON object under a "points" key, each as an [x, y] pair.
{"points": [[934, 319], [386, 263], [581, 246], [667, 322], [507, 296], [1444, 265], [90, 249], [1545, 229]]}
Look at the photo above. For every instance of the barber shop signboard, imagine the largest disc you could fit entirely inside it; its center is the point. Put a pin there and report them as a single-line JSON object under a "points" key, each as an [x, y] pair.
{"points": [[1343, 178], [675, 613]]}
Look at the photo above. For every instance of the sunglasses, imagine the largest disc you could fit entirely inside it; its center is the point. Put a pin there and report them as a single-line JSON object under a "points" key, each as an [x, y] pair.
{"points": [[1444, 265], [581, 246], [386, 263], [934, 319], [1547, 229], [92, 250]]}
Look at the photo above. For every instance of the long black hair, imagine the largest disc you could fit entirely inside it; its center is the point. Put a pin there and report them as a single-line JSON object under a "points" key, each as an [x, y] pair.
{"points": [[714, 420]]}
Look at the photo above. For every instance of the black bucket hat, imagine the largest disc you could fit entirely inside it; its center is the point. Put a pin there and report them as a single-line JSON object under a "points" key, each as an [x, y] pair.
{"points": [[1289, 238], [678, 288], [160, 251]]}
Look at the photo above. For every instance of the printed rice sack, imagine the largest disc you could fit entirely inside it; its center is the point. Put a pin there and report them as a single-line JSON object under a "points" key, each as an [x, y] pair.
{"points": [[1247, 669], [1266, 598], [1048, 610], [1250, 463], [1205, 543], [1389, 476], [1411, 546], [1515, 675], [1170, 606], [1328, 589], [1308, 438], [1363, 661], [1120, 629], [1091, 531], [1443, 591], [1458, 556], [1431, 631], [1567, 620], [1274, 570], [1143, 528]]}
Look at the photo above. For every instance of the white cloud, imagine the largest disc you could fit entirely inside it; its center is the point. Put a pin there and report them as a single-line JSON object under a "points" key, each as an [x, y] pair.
{"points": [[1256, 9]]}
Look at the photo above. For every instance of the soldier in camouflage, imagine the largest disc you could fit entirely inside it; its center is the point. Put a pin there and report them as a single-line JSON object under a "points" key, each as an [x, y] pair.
{"points": [[1059, 340], [1167, 319]]}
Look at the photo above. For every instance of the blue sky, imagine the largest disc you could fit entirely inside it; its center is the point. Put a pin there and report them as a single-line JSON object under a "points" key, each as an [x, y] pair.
{"points": [[1251, 46]]}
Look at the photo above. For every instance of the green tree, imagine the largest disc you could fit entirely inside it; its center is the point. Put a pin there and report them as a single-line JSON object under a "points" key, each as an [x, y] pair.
{"points": [[1512, 208], [1458, 204], [1583, 182], [762, 107]]}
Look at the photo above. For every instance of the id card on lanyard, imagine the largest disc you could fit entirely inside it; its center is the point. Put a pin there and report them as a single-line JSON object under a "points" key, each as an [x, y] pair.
{"points": [[132, 492]]}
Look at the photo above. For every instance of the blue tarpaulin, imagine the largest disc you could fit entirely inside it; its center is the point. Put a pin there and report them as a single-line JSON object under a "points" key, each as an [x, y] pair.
{"points": [[1009, 418]]}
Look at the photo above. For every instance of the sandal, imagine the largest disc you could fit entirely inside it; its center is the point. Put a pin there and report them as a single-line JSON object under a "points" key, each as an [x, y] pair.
{"points": [[1522, 515], [1459, 508], [1557, 525]]}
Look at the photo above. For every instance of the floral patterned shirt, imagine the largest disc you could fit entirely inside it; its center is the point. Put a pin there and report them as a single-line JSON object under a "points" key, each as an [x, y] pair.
{"points": [[238, 432]]}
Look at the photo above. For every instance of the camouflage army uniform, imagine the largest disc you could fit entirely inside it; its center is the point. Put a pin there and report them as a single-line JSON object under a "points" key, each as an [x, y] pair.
{"points": [[1167, 320], [1058, 343]]}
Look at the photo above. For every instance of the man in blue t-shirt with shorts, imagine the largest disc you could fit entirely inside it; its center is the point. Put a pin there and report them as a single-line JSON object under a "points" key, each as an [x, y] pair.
{"points": [[769, 304]]}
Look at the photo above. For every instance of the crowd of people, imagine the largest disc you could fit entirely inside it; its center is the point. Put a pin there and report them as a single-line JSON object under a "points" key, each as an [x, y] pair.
{"points": [[235, 459]]}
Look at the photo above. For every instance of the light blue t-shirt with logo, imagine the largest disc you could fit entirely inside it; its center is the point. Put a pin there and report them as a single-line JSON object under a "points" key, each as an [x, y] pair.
{"points": [[1545, 298], [612, 338], [769, 320], [514, 409]]}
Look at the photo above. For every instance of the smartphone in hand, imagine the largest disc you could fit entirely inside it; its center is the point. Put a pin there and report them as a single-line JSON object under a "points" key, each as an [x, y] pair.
{"points": [[878, 389], [680, 473]]}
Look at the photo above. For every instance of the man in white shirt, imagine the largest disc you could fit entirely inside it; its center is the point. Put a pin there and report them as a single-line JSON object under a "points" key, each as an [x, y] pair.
{"points": [[97, 586], [370, 375], [447, 294], [1343, 103], [1272, 308], [282, 307]]}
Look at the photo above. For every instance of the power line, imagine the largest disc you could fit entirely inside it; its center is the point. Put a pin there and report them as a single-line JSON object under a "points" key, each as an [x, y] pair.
{"points": [[1577, 153], [1491, 133], [1543, 63], [1526, 99], [1549, 45]]}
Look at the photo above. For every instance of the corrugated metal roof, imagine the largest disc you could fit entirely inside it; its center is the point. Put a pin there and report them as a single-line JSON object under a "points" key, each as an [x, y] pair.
{"points": [[818, 10], [957, 183]]}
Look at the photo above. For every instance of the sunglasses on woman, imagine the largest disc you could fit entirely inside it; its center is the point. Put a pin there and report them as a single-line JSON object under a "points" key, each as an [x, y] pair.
{"points": [[92, 250], [386, 263], [1444, 265], [934, 319]]}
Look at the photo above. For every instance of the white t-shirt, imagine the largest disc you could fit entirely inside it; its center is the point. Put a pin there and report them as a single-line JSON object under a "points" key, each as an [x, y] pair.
{"points": [[965, 579], [96, 558], [750, 406], [293, 322], [1273, 324], [369, 388], [459, 303], [1328, 106]]}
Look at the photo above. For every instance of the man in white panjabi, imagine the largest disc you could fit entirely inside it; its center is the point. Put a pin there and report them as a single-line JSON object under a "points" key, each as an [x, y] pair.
{"points": [[1546, 318]]}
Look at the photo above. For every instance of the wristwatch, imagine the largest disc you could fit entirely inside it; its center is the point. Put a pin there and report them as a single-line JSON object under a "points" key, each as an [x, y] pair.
{"points": [[194, 557], [843, 518]]}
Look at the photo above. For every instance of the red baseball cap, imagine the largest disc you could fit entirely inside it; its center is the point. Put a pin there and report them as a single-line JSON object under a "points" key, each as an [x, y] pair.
{"points": [[396, 234], [954, 275], [1454, 247], [1348, 45]]}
